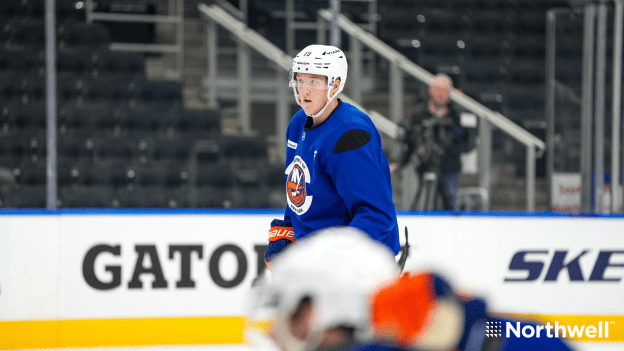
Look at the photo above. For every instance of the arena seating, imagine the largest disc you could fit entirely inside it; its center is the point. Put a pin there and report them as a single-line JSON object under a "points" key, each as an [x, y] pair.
{"points": [[123, 140]]}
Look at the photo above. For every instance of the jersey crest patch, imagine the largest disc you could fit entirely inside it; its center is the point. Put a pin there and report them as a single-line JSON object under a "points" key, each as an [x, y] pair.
{"points": [[296, 193]]}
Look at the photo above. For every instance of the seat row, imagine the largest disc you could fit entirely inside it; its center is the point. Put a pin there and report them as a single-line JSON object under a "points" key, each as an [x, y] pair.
{"points": [[166, 174], [80, 60], [73, 87], [146, 197], [30, 33], [17, 151]]}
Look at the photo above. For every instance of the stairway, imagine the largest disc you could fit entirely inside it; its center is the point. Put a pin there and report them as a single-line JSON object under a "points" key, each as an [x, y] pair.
{"points": [[508, 192]]}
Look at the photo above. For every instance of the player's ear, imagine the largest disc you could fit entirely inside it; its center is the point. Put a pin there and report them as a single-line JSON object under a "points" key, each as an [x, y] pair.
{"points": [[337, 83]]}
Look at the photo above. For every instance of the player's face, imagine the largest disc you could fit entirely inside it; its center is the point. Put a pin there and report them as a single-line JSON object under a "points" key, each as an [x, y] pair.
{"points": [[312, 91]]}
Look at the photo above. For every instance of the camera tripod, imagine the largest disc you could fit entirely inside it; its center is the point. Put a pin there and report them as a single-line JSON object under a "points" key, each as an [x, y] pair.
{"points": [[431, 194]]}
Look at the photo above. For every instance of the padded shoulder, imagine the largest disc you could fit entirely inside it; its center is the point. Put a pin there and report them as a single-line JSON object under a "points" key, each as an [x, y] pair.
{"points": [[351, 140]]}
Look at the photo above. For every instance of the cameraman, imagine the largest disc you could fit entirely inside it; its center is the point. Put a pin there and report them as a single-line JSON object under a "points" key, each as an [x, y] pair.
{"points": [[436, 138]]}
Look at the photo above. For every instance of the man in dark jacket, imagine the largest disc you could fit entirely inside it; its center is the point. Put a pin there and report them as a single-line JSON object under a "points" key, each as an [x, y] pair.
{"points": [[436, 137]]}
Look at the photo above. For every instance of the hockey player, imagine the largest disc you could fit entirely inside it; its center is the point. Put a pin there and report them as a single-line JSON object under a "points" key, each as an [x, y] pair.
{"points": [[336, 172], [420, 311], [319, 292]]}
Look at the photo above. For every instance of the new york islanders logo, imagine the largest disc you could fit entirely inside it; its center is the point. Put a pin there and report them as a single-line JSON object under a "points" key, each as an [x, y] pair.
{"points": [[298, 177]]}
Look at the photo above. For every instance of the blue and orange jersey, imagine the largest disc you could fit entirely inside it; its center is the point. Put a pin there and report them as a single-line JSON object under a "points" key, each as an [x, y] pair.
{"points": [[337, 175], [404, 310]]}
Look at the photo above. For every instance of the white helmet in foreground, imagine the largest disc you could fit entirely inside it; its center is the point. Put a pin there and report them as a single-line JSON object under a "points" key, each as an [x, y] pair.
{"points": [[325, 60], [336, 270]]}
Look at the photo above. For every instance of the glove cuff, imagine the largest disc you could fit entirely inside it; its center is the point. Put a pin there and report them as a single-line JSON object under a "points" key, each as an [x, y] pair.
{"points": [[282, 232]]}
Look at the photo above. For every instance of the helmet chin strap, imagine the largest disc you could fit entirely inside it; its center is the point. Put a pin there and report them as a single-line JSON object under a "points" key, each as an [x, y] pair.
{"points": [[329, 100]]}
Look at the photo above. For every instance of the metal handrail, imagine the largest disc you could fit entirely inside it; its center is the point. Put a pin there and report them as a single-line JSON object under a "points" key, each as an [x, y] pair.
{"points": [[250, 38], [424, 76], [177, 19], [283, 60]]}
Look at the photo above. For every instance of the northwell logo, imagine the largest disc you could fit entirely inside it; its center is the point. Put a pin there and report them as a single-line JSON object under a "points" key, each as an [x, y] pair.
{"points": [[493, 329], [496, 330]]}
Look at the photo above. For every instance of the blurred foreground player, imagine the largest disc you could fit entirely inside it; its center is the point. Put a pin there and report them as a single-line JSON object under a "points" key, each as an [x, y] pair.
{"points": [[421, 312], [320, 291], [336, 171]]}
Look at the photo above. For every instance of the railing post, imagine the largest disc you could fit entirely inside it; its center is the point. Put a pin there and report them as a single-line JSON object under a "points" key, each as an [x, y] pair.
{"points": [[321, 30], [550, 100], [396, 92], [290, 27], [244, 76], [89, 11], [334, 29], [586, 108], [356, 69], [373, 17], [51, 104], [530, 178], [485, 154], [616, 188], [282, 110], [599, 104], [211, 54], [180, 39]]}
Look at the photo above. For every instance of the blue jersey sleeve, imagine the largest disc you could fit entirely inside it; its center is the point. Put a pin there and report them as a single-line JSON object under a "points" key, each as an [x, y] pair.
{"points": [[355, 166]]}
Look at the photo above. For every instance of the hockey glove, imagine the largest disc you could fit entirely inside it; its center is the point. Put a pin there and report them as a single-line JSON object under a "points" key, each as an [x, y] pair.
{"points": [[281, 235]]}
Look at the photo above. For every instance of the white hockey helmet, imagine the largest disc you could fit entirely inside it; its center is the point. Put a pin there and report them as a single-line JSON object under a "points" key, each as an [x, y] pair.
{"points": [[337, 269], [325, 60]]}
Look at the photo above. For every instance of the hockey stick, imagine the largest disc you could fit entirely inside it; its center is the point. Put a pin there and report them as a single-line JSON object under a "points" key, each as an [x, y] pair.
{"points": [[404, 253]]}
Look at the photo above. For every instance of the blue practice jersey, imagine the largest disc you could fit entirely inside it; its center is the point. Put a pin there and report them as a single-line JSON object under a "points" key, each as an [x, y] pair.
{"points": [[337, 175]]}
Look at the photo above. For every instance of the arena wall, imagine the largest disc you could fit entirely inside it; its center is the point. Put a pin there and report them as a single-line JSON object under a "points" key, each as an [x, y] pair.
{"points": [[139, 277]]}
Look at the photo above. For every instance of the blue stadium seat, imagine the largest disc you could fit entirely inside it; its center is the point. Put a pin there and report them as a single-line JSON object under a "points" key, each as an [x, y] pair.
{"points": [[67, 172], [119, 62], [172, 149], [526, 71], [33, 174], [243, 147], [204, 122], [111, 173], [159, 91], [116, 148], [275, 177], [251, 198], [21, 59], [75, 148], [216, 175], [30, 116], [148, 118], [214, 197], [87, 197], [112, 88], [150, 197], [12, 86], [12, 9], [482, 71], [165, 175], [26, 197], [27, 33], [75, 59], [89, 117], [78, 34], [70, 87]]}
